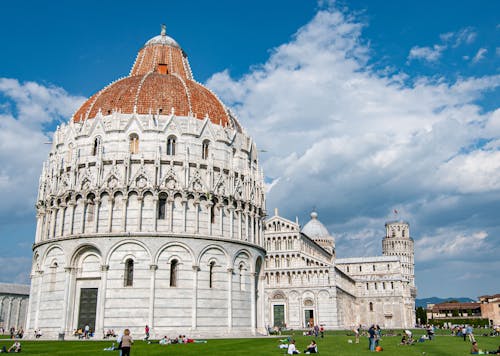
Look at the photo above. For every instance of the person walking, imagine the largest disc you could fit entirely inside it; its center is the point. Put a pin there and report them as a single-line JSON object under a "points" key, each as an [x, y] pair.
{"points": [[127, 342]]}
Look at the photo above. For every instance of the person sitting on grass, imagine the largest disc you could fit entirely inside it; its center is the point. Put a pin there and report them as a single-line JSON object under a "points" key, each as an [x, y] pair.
{"points": [[164, 341], [292, 350], [475, 349], [15, 348], [312, 348]]}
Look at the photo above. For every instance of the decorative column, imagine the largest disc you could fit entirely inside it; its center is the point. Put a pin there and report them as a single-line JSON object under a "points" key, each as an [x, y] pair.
{"points": [[124, 213], [140, 200], [194, 307], [247, 230], [97, 206], [170, 204], [65, 309], [9, 310], [101, 300], [38, 234], [196, 216], [153, 269], [110, 214], [53, 218], [231, 222], [46, 225], [252, 301], [71, 217], [38, 296], [184, 215], [84, 217], [155, 213], [209, 217], [239, 211], [1, 307], [221, 219], [61, 220], [229, 299], [19, 300]]}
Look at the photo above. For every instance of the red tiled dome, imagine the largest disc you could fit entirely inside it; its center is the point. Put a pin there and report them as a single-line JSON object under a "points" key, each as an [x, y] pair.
{"points": [[160, 81]]}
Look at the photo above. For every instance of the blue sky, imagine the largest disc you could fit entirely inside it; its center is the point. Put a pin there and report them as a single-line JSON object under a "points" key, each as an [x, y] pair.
{"points": [[363, 107]]}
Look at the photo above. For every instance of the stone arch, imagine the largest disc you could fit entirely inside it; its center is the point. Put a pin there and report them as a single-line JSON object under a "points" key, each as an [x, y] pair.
{"points": [[167, 246], [47, 255], [212, 247], [116, 246]]}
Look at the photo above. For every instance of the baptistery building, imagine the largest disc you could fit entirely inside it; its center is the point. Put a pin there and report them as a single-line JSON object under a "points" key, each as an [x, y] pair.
{"points": [[150, 211]]}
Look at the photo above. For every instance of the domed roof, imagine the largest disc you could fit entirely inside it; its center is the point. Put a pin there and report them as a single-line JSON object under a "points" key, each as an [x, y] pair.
{"points": [[314, 228], [160, 81]]}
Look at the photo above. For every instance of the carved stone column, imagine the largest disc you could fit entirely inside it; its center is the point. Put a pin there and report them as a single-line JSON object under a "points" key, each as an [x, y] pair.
{"points": [[239, 211], [140, 200], [197, 216], [111, 205], [184, 215], [39, 220], [221, 218], [155, 213], [71, 217], [9, 311], [152, 292], [97, 206], [170, 204], [124, 213], [18, 311], [209, 218], [231, 222], [84, 217], [62, 220], [102, 300], [194, 307], [253, 303], [229, 299], [65, 309]]}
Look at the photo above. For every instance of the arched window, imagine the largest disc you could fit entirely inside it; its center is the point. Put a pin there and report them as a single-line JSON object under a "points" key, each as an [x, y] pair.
{"points": [[90, 210], [371, 306], [392, 285], [171, 146], [403, 233], [96, 147], [211, 275], [347, 269], [204, 149], [374, 267], [129, 272], [173, 273], [134, 143], [162, 207], [360, 268], [242, 277]]}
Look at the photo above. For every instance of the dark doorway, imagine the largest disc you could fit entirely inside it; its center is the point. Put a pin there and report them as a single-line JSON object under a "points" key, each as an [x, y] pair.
{"points": [[279, 315], [309, 318], [88, 307]]}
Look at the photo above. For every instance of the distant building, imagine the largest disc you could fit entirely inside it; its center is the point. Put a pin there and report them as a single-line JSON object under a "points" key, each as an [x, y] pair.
{"points": [[490, 308], [13, 305], [452, 310], [307, 285]]}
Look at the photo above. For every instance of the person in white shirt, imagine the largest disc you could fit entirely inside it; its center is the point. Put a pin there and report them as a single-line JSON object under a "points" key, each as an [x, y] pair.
{"points": [[292, 350]]}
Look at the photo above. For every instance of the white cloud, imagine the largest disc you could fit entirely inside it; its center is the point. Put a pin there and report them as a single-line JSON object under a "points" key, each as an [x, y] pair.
{"points": [[26, 110], [355, 143], [479, 55], [431, 247], [466, 35], [430, 54]]}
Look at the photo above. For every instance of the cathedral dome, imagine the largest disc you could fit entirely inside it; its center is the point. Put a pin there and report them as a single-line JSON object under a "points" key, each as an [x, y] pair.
{"points": [[316, 231], [160, 82]]}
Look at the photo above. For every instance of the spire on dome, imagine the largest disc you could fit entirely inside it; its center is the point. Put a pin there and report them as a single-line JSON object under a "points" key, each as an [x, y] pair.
{"points": [[163, 30]]}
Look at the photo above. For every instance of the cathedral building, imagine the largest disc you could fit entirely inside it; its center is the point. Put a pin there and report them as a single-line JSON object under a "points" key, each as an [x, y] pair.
{"points": [[151, 211], [306, 284]]}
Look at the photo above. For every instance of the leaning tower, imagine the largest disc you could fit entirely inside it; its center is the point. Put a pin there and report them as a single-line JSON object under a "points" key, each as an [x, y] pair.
{"points": [[397, 242]]}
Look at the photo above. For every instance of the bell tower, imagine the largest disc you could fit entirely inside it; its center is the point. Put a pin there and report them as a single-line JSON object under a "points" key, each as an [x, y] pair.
{"points": [[397, 242]]}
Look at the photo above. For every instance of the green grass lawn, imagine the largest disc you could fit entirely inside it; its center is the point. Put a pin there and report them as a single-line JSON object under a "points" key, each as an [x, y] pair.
{"points": [[334, 343]]}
